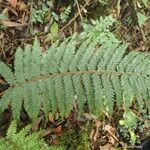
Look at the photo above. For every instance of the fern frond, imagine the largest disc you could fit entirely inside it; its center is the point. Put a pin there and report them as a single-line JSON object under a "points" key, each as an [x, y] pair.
{"points": [[24, 140], [99, 94], [6, 99], [27, 62], [17, 100], [19, 66], [6, 73], [97, 70], [36, 59]]}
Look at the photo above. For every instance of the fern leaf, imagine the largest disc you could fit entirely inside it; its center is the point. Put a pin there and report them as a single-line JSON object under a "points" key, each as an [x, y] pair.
{"points": [[68, 56], [109, 91], [27, 61], [116, 83], [6, 73], [60, 95], [28, 100], [49, 63], [126, 61], [117, 56], [128, 92], [107, 55], [19, 66], [87, 81], [69, 90], [36, 99], [87, 56], [59, 55], [80, 92], [92, 67], [78, 55], [24, 140], [36, 59], [99, 94], [17, 102], [6, 99], [12, 130], [137, 90], [93, 63], [52, 95]]}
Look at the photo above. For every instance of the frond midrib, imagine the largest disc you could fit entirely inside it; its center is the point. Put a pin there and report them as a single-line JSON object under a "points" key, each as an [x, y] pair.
{"points": [[78, 73]]}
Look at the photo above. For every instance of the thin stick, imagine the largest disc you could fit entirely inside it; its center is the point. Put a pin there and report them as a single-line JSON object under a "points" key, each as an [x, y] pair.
{"points": [[75, 16], [79, 10]]}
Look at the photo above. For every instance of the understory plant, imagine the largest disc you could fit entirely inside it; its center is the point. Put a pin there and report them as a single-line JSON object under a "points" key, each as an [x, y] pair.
{"points": [[92, 68], [24, 140]]}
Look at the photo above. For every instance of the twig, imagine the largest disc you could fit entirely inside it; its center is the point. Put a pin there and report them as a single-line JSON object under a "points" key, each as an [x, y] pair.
{"points": [[75, 16], [112, 135], [79, 10]]}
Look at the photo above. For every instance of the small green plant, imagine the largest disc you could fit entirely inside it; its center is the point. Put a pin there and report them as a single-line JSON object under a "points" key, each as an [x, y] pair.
{"points": [[141, 19], [75, 139], [104, 2], [41, 11], [65, 14], [3, 17], [24, 140], [142, 2], [129, 124], [54, 33], [128, 20]]}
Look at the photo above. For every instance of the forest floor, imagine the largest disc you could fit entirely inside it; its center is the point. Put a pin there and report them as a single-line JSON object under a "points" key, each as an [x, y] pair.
{"points": [[48, 20]]}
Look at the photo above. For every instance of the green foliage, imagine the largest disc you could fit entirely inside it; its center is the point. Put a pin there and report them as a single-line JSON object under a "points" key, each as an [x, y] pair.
{"points": [[54, 35], [76, 139], [129, 119], [65, 14], [142, 2], [104, 2], [145, 2], [24, 140], [132, 122], [3, 17], [40, 11], [93, 66], [141, 19], [129, 124]]}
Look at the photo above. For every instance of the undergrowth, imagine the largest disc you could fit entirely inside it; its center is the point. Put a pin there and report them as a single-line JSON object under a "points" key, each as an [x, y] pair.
{"points": [[24, 140]]}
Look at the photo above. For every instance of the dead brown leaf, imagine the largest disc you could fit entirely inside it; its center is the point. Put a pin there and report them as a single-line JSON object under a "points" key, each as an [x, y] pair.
{"points": [[1, 81], [13, 3], [12, 24], [51, 117], [22, 5], [54, 142], [96, 135], [89, 116], [109, 128], [1, 35], [112, 138], [108, 146], [45, 133], [98, 124], [13, 11], [92, 134], [36, 123], [58, 129]]}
